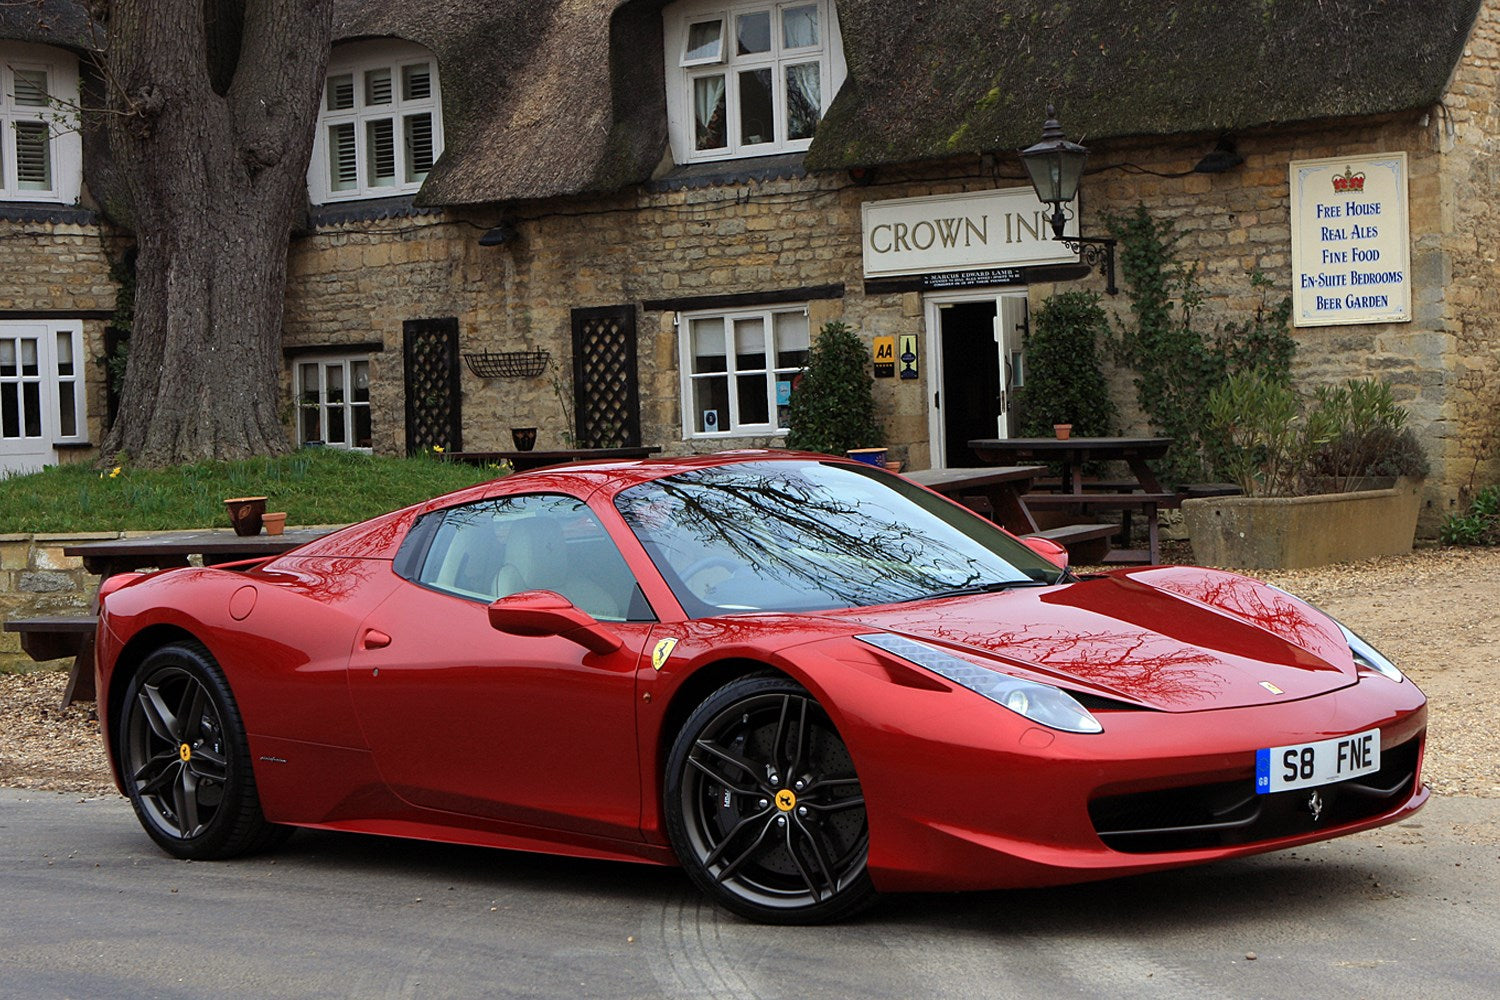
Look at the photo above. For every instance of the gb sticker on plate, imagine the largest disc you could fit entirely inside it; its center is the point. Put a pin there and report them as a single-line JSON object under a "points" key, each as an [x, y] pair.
{"points": [[1305, 765]]}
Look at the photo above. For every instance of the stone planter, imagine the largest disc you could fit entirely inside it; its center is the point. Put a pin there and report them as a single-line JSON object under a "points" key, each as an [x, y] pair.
{"points": [[1294, 532]]}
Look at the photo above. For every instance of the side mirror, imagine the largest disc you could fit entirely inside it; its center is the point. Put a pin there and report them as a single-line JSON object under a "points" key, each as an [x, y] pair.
{"points": [[542, 612], [1048, 550]]}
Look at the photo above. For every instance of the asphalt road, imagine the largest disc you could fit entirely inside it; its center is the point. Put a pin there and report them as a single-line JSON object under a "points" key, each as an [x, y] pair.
{"points": [[90, 909]]}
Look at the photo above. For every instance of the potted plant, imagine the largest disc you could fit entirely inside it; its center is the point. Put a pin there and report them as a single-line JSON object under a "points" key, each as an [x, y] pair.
{"points": [[1303, 472]]}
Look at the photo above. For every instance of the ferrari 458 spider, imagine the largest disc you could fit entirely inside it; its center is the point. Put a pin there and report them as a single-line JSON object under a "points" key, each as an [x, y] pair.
{"points": [[802, 679]]}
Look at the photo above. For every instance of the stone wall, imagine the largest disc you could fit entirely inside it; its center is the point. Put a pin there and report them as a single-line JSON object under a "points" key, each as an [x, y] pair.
{"points": [[36, 579]]}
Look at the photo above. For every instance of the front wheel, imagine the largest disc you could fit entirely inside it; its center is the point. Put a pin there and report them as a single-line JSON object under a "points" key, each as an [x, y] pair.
{"points": [[764, 808], [186, 761]]}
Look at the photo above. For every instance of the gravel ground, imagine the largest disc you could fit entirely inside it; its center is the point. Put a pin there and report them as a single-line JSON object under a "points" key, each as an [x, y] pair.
{"points": [[1435, 612]]}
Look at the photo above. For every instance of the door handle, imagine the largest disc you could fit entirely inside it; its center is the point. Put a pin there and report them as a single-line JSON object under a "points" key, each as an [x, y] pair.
{"points": [[374, 639]]}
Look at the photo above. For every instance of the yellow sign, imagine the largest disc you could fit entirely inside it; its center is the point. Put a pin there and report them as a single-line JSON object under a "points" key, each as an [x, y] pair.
{"points": [[661, 652], [785, 800], [885, 357]]}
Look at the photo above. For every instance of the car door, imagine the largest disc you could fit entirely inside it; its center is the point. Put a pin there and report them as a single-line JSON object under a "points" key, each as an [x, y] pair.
{"points": [[463, 718]]}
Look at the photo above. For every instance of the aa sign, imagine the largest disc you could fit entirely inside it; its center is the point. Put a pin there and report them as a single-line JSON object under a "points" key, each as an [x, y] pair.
{"points": [[885, 357]]}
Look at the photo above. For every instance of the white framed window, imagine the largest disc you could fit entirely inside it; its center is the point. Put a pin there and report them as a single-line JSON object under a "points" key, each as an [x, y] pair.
{"points": [[333, 400], [748, 79], [738, 368], [380, 122], [41, 392], [41, 154]]}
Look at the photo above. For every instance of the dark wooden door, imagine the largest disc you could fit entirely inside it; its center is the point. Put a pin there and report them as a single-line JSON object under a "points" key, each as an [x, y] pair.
{"points": [[434, 400], [606, 393]]}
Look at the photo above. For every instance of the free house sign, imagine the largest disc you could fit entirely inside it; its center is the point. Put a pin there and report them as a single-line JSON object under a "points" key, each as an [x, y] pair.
{"points": [[1351, 256]]}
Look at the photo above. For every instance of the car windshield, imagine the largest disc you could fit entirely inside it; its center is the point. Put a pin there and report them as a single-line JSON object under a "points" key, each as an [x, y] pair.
{"points": [[805, 536]]}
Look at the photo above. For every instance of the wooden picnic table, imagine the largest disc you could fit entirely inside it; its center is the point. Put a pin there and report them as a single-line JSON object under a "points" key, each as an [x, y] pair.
{"points": [[1002, 486], [48, 638], [1075, 495], [523, 461]]}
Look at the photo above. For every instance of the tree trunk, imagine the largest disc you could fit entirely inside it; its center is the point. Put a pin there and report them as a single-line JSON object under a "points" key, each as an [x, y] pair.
{"points": [[215, 179]]}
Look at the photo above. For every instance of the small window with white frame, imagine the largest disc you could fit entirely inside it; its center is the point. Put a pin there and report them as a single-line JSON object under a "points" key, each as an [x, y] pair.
{"points": [[41, 154], [738, 368], [333, 401], [41, 392], [748, 79], [380, 126]]}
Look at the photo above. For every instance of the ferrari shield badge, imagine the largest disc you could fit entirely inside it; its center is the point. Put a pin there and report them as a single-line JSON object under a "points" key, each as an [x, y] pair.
{"points": [[661, 652]]}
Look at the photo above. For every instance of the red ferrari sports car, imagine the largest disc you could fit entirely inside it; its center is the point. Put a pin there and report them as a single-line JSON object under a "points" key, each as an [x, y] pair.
{"points": [[805, 680]]}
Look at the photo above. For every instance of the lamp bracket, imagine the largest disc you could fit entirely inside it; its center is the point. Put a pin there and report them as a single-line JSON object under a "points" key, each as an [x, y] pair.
{"points": [[1095, 251]]}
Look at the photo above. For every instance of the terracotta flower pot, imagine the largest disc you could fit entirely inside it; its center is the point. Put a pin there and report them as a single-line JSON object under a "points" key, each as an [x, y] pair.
{"points": [[524, 437], [1063, 431], [245, 514], [274, 523]]}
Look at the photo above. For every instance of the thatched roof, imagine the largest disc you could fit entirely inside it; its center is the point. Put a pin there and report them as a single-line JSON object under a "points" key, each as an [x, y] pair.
{"points": [[548, 97], [52, 22]]}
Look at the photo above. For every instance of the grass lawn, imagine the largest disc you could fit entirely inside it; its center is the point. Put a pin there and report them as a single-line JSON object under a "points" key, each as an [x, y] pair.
{"points": [[314, 486]]}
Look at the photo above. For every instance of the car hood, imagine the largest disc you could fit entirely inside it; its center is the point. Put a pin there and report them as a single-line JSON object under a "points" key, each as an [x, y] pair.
{"points": [[1178, 639]]}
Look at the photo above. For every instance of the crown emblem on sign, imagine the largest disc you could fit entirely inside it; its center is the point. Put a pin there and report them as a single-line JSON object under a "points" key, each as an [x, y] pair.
{"points": [[1348, 181]]}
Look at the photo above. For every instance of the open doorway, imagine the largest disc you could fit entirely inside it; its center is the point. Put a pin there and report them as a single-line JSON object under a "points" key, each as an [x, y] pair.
{"points": [[976, 343]]}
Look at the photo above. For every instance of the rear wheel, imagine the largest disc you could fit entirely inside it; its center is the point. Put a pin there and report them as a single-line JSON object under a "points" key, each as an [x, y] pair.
{"points": [[185, 759], [764, 808]]}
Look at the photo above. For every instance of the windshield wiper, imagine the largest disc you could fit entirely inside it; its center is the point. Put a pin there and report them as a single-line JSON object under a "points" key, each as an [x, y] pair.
{"points": [[985, 588]]}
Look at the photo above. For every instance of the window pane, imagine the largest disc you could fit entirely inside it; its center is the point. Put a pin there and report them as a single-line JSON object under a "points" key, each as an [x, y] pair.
{"points": [[791, 340], [711, 404], [753, 33], [343, 164], [341, 92], [418, 130], [750, 344], [361, 416], [64, 354], [336, 425], [704, 42], [10, 410], [8, 357], [757, 124], [67, 414], [416, 82], [33, 156], [803, 100], [29, 364], [310, 427], [31, 88], [754, 404], [799, 27], [380, 152], [709, 113], [334, 374], [308, 379], [361, 393], [31, 407], [708, 345], [378, 86]]}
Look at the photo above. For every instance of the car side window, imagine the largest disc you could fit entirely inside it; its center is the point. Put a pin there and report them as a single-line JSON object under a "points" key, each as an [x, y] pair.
{"points": [[502, 546]]}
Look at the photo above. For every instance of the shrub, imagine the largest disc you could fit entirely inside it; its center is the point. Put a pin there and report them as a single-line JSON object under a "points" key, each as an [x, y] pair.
{"points": [[1064, 382], [1479, 525], [1361, 432], [833, 406]]}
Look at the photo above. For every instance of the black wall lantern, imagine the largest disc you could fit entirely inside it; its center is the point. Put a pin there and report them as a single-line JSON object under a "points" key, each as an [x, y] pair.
{"points": [[1055, 166]]}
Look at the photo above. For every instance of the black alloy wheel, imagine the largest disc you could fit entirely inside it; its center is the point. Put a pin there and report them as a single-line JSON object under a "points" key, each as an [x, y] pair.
{"points": [[764, 808], [185, 759]]}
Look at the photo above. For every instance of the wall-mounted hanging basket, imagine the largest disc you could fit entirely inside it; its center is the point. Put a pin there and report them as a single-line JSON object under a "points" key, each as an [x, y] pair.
{"points": [[508, 364]]}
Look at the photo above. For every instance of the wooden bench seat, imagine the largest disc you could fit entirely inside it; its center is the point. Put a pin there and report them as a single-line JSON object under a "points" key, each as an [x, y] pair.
{"points": [[53, 638], [1100, 501], [1086, 543]]}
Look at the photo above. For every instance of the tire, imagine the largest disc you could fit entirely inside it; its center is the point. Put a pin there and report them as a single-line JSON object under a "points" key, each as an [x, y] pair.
{"points": [[185, 759], [764, 808]]}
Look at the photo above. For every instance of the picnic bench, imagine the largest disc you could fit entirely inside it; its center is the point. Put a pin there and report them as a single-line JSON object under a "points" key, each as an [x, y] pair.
{"points": [[54, 637], [524, 461]]}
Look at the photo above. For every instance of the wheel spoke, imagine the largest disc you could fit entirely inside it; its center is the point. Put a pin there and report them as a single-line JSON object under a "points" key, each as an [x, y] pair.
{"points": [[158, 716], [791, 848], [795, 762], [810, 834], [837, 805], [190, 712], [185, 803], [208, 765], [820, 784], [695, 762], [161, 771], [718, 852], [745, 855], [736, 761]]}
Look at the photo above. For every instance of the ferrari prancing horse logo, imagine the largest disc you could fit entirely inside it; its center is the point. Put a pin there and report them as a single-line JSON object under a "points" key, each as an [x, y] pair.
{"points": [[786, 800], [185, 752], [661, 652]]}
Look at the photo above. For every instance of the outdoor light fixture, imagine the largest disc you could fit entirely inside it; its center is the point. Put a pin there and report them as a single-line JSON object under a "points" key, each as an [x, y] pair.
{"points": [[1055, 166]]}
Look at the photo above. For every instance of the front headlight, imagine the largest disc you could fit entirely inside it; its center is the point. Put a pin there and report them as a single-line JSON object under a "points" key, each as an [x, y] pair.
{"points": [[1042, 703], [1365, 655]]}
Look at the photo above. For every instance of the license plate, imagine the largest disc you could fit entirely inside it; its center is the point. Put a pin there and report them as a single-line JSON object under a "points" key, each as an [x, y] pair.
{"points": [[1305, 765]]}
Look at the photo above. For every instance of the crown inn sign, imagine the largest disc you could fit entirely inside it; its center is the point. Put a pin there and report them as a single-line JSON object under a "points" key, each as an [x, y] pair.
{"points": [[1351, 255]]}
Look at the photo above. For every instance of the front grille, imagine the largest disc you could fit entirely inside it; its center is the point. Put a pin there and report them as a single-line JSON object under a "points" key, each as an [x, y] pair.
{"points": [[1230, 813]]}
